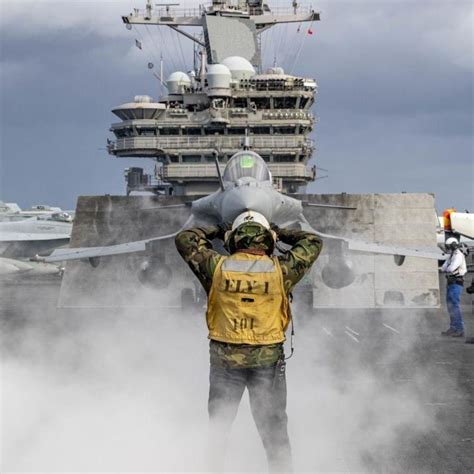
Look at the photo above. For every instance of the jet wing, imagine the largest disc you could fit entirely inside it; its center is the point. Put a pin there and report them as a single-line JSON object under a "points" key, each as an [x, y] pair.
{"points": [[60, 255], [30, 236], [434, 252]]}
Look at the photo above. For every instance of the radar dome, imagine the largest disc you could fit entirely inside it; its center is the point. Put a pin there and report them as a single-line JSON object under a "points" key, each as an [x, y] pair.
{"points": [[218, 79], [276, 70], [143, 99], [239, 67], [178, 82]]}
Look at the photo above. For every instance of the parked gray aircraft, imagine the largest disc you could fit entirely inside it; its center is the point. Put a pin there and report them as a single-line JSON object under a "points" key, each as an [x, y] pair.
{"points": [[30, 235], [11, 211], [246, 184]]}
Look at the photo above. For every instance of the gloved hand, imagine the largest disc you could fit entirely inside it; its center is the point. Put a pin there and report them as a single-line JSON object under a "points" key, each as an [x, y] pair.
{"points": [[223, 228], [275, 228]]}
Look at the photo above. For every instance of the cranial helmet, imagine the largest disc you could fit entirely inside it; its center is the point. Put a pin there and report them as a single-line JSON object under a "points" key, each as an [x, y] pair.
{"points": [[452, 243], [250, 230], [250, 217]]}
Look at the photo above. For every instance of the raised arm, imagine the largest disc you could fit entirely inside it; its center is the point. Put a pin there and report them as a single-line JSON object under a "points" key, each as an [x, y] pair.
{"points": [[305, 249], [195, 246]]}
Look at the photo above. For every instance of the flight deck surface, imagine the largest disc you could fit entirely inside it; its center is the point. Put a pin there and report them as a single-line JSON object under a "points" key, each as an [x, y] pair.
{"points": [[98, 389]]}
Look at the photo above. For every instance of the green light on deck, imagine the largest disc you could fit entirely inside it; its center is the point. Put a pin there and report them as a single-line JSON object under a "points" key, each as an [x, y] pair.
{"points": [[247, 161]]}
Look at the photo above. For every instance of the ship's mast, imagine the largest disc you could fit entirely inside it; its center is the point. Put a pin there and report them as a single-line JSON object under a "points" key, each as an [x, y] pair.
{"points": [[223, 36]]}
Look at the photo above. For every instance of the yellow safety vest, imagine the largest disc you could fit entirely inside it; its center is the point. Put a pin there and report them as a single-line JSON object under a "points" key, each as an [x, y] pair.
{"points": [[247, 302]]}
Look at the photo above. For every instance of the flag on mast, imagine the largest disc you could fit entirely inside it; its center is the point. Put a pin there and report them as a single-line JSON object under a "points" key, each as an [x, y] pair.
{"points": [[138, 44]]}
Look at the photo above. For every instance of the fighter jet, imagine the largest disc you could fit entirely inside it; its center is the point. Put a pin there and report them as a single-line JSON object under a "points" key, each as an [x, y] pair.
{"points": [[12, 212], [246, 184], [30, 235]]}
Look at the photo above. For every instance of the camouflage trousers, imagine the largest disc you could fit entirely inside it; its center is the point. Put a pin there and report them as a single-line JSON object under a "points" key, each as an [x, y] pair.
{"points": [[267, 394]]}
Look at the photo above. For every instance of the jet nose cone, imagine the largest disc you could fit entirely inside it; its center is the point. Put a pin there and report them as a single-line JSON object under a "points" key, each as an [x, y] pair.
{"points": [[246, 198]]}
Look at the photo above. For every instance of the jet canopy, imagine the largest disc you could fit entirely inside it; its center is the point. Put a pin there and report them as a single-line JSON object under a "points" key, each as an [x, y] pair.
{"points": [[246, 164]]}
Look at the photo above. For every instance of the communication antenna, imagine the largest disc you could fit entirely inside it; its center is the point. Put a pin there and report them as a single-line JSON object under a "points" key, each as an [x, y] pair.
{"points": [[218, 168], [167, 5]]}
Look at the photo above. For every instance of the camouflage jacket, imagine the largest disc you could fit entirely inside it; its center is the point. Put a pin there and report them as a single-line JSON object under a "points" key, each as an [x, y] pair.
{"points": [[195, 246]]}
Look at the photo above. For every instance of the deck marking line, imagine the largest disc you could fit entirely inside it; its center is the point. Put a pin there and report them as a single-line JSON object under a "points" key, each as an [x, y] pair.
{"points": [[352, 331], [352, 336], [391, 329], [327, 331]]}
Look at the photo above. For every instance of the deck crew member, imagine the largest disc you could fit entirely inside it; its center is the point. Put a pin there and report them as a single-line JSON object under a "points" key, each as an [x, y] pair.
{"points": [[247, 316], [455, 268]]}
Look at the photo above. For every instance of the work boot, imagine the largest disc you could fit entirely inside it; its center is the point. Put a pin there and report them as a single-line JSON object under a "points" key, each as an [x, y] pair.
{"points": [[458, 333], [448, 332]]}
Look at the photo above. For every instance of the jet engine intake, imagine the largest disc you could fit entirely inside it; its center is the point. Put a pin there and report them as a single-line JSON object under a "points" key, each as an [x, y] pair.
{"points": [[338, 272]]}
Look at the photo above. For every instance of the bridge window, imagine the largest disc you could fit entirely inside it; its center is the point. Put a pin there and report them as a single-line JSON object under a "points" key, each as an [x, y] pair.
{"points": [[261, 102], [120, 133], [192, 131], [284, 130], [146, 132], [169, 131], [214, 131], [284, 103], [236, 131], [260, 130], [283, 158], [303, 102], [191, 158], [240, 102]]}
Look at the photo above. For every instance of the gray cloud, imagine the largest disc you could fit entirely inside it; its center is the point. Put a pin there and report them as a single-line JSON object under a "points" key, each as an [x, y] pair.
{"points": [[395, 97]]}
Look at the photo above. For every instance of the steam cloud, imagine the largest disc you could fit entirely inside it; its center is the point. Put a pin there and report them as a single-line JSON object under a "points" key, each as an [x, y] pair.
{"points": [[124, 391]]}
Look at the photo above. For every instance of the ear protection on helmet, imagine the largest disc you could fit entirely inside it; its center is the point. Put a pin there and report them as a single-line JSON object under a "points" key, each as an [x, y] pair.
{"points": [[452, 243], [228, 235]]}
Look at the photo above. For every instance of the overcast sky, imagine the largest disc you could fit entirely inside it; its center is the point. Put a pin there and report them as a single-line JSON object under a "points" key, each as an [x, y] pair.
{"points": [[395, 101]]}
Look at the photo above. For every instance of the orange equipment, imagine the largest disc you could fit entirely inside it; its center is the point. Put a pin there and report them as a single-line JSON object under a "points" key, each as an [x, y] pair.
{"points": [[447, 218]]}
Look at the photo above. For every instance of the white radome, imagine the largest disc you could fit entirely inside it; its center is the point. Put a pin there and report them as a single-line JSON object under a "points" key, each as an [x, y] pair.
{"points": [[218, 76], [239, 67], [177, 82]]}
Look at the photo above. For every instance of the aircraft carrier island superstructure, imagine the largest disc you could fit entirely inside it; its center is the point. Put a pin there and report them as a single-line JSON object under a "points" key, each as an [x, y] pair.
{"points": [[227, 103], [230, 102]]}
